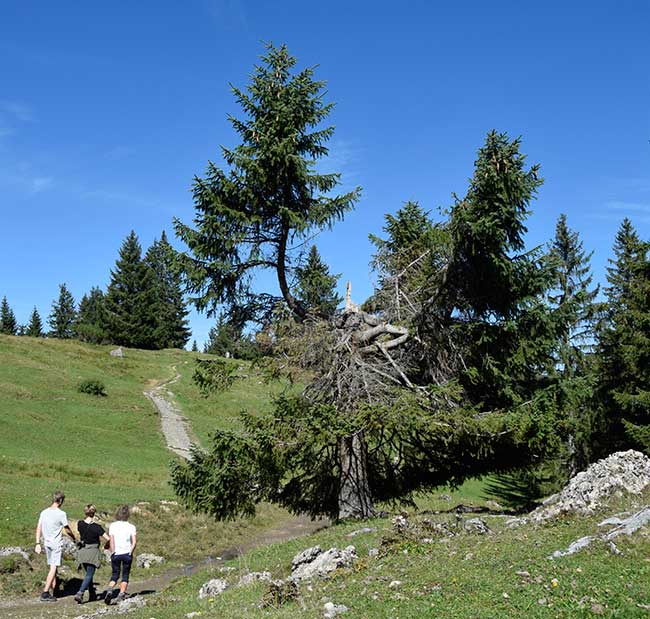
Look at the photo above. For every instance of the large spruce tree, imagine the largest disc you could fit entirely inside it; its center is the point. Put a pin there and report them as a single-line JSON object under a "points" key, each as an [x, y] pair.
{"points": [[35, 327], [624, 345], [63, 315], [172, 329], [250, 215], [8, 324], [316, 289], [92, 320], [368, 427], [131, 303]]}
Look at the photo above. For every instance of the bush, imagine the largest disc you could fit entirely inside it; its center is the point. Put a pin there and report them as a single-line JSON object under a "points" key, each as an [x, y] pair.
{"points": [[213, 375], [92, 387]]}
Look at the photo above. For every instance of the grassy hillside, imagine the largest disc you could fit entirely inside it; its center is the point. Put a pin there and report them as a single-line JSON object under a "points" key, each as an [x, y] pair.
{"points": [[469, 576], [105, 450]]}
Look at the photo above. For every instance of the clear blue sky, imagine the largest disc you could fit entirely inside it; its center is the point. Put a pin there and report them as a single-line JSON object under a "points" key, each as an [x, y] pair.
{"points": [[107, 110]]}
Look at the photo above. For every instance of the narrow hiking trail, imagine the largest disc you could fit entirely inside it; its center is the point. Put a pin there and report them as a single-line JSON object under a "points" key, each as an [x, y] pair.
{"points": [[174, 425], [66, 608], [176, 432]]}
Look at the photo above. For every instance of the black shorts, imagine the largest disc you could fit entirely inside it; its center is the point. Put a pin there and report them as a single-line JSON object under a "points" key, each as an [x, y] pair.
{"points": [[123, 563]]}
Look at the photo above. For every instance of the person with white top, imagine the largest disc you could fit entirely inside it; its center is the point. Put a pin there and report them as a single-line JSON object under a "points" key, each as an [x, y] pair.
{"points": [[122, 535], [51, 524]]}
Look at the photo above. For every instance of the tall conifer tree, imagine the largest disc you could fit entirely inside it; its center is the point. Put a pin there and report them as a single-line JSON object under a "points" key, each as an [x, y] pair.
{"points": [[131, 298], [35, 327], [63, 315], [172, 330], [8, 324], [249, 216], [624, 344], [572, 298]]}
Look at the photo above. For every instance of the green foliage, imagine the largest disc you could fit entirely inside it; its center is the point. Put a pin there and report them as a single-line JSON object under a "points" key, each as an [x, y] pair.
{"points": [[131, 299], [63, 315], [493, 286], [571, 299], [35, 327], [227, 338], [195, 346], [292, 457], [8, 323], [213, 375], [316, 288], [92, 320], [270, 195], [92, 386], [172, 329], [624, 344]]}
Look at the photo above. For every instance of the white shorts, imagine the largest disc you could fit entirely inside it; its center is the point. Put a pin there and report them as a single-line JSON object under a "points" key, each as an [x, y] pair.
{"points": [[53, 555]]}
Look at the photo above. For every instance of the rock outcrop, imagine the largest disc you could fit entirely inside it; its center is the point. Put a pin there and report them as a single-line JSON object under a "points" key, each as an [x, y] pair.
{"points": [[622, 472], [314, 563]]}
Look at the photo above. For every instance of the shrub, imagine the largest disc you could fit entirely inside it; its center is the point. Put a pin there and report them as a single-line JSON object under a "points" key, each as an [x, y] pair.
{"points": [[92, 387]]}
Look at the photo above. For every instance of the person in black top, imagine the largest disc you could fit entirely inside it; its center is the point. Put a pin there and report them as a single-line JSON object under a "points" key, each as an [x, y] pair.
{"points": [[89, 554]]}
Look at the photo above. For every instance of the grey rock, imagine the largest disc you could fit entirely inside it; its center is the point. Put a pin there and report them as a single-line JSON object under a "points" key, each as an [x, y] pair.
{"points": [[146, 560], [131, 604], [373, 552], [252, 577], [331, 610], [574, 547], [477, 525], [117, 352], [13, 550], [314, 563], [361, 531], [620, 473], [212, 588]]}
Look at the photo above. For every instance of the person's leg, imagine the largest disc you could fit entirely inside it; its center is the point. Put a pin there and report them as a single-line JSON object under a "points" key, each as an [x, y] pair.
{"points": [[50, 581], [126, 572], [53, 560], [88, 579]]}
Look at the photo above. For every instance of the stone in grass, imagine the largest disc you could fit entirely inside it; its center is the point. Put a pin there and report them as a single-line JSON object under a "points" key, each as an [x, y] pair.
{"points": [[146, 560], [331, 610], [13, 550], [192, 615], [252, 577], [477, 525], [314, 563], [361, 531], [213, 587]]}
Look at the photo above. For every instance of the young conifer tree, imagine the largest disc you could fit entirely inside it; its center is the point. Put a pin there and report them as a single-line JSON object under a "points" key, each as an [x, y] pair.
{"points": [[63, 315], [8, 324], [92, 321], [35, 327], [316, 288]]}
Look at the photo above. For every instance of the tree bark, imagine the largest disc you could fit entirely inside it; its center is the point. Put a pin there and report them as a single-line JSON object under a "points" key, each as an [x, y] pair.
{"points": [[355, 500], [292, 302]]}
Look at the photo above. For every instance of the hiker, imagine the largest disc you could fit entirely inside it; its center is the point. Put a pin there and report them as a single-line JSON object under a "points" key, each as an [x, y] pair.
{"points": [[89, 553], [122, 536], [51, 523]]}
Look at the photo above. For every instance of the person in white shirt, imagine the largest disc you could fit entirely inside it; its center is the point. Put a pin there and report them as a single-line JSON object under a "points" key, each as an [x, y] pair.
{"points": [[51, 524], [123, 540]]}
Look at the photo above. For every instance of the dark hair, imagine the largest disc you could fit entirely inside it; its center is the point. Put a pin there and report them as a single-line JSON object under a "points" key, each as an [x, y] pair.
{"points": [[58, 497], [90, 510], [122, 512]]}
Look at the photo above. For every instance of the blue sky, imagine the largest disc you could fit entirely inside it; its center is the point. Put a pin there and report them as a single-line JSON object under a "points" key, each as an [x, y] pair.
{"points": [[107, 110]]}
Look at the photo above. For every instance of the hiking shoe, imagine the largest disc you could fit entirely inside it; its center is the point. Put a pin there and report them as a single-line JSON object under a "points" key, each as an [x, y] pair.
{"points": [[79, 598], [120, 597], [108, 596], [46, 596]]}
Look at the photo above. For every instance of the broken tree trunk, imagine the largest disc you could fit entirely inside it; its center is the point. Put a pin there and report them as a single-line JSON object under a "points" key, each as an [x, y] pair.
{"points": [[355, 500]]}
